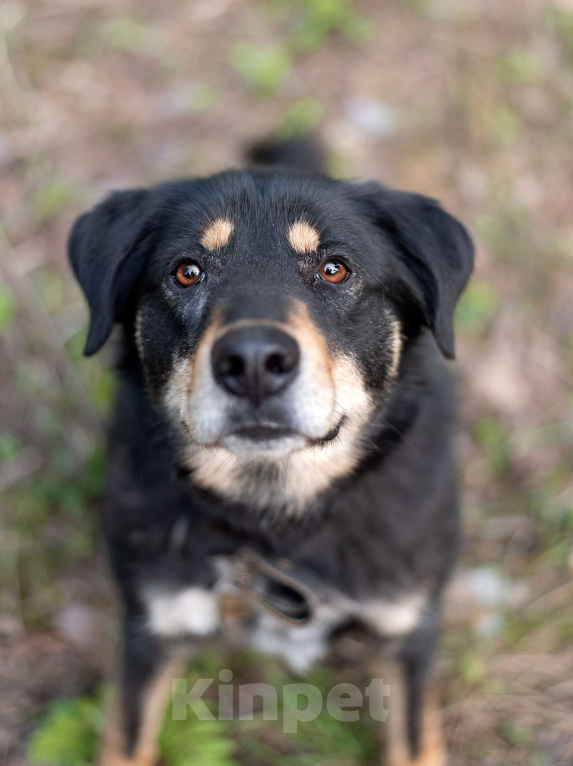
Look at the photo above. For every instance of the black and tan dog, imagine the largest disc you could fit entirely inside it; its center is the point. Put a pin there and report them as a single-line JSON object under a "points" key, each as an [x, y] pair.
{"points": [[283, 412]]}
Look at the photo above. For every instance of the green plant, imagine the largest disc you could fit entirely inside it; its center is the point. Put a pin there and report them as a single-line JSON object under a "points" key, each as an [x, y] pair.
{"points": [[477, 307], [519, 66], [7, 308], [491, 435], [265, 68], [314, 20], [50, 198], [68, 734], [300, 118], [186, 743]]}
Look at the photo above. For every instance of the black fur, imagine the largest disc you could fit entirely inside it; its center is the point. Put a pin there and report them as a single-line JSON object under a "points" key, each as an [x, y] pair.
{"points": [[392, 525]]}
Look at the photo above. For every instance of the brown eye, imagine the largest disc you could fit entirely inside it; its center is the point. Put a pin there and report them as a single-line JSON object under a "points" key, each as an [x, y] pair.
{"points": [[334, 272], [188, 273]]}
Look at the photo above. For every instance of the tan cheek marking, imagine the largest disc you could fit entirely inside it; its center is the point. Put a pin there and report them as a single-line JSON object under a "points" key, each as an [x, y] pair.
{"points": [[175, 396], [217, 234], [395, 348], [303, 237], [185, 372], [312, 341]]}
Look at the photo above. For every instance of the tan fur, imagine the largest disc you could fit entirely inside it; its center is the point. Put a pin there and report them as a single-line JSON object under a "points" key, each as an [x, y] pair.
{"points": [[217, 234], [154, 703], [395, 349], [432, 750], [177, 391], [184, 373], [303, 237]]}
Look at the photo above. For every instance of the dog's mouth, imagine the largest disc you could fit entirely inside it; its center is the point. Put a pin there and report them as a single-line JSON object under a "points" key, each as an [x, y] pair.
{"points": [[254, 438], [261, 432], [258, 432]]}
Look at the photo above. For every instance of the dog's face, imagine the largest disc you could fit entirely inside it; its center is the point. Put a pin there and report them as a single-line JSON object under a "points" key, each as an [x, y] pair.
{"points": [[268, 311]]}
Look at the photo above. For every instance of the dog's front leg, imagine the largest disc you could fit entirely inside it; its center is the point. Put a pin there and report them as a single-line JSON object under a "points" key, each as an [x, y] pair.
{"points": [[139, 698], [412, 731]]}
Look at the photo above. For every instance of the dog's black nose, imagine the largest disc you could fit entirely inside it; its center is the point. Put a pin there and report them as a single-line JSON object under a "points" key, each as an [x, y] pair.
{"points": [[255, 362]]}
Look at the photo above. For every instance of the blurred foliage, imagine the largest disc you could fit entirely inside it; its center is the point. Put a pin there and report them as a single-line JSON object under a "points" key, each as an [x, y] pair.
{"points": [[506, 125], [477, 307], [58, 497], [560, 20], [300, 118], [10, 447], [513, 734], [266, 68], [7, 308], [127, 33], [495, 442], [313, 20], [68, 734], [520, 66], [51, 198]]}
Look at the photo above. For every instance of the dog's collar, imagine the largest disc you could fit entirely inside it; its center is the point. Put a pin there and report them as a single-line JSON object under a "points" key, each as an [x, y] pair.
{"points": [[287, 591]]}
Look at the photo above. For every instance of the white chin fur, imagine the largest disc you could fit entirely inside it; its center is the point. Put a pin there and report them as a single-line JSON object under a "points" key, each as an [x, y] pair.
{"points": [[269, 448]]}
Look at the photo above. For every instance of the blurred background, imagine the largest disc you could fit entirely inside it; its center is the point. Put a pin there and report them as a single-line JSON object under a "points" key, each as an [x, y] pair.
{"points": [[470, 102]]}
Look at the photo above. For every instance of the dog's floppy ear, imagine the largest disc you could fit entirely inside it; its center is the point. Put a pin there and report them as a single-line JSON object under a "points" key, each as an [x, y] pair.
{"points": [[107, 249], [438, 254]]}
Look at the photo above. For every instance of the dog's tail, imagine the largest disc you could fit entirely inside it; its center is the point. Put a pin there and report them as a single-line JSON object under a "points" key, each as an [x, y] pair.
{"points": [[304, 154]]}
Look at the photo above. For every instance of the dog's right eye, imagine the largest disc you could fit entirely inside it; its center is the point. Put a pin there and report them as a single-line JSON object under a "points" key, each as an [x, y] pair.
{"points": [[188, 274]]}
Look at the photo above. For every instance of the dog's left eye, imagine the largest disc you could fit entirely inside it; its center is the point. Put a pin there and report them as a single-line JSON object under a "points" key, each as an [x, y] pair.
{"points": [[334, 271], [188, 274]]}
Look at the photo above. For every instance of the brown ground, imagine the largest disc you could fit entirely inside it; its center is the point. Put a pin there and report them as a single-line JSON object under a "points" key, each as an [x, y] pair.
{"points": [[471, 102]]}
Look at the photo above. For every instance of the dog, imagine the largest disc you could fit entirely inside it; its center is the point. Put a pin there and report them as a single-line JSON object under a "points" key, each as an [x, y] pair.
{"points": [[283, 426]]}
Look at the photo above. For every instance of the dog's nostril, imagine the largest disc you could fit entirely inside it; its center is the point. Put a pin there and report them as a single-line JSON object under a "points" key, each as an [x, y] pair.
{"points": [[277, 364], [232, 365]]}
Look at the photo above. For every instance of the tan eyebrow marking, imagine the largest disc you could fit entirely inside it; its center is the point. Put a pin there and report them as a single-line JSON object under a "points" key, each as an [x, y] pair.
{"points": [[303, 237], [217, 234]]}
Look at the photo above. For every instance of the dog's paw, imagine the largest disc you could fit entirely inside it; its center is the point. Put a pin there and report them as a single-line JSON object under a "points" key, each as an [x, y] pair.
{"points": [[117, 759], [434, 754], [111, 754]]}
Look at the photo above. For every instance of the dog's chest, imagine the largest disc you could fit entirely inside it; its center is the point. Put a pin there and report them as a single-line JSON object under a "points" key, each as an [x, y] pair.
{"points": [[275, 607]]}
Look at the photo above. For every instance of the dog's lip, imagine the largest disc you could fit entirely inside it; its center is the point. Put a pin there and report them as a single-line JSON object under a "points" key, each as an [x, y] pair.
{"points": [[270, 431], [333, 433], [262, 432]]}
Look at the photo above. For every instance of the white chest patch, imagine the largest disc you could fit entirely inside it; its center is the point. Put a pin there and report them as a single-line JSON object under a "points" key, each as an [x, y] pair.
{"points": [[393, 618], [195, 611], [301, 646], [192, 611]]}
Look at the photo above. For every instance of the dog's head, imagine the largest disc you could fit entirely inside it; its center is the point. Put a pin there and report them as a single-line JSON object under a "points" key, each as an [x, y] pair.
{"points": [[269, 310]]}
